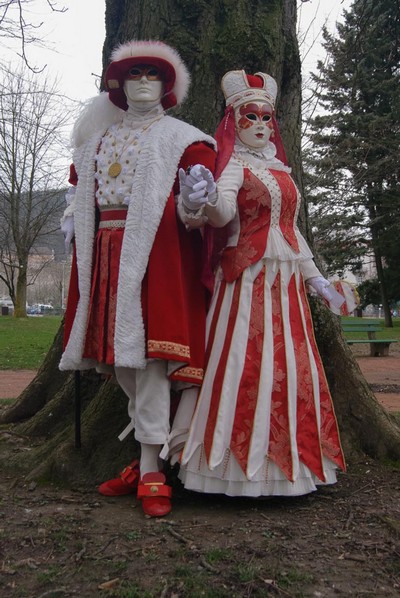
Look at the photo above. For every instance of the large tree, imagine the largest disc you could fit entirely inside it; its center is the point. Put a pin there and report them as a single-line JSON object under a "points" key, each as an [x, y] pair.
{"points": [[355, 142], [213, 37]]}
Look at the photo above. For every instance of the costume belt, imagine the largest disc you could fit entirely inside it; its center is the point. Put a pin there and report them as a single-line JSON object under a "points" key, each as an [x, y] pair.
{"points": [[113, 217]]}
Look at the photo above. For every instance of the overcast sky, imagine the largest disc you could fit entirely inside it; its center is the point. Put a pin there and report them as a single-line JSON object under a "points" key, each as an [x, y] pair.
{"points": [[311, 17], [74, 42], [75, 39]]}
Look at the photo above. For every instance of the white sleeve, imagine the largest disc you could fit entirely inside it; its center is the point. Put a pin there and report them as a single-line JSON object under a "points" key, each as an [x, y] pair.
{"points": [[309, 269], [223, 209], [70, 199], [191, 219]]}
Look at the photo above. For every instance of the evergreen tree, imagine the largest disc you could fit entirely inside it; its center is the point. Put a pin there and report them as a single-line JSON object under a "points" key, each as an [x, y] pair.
{"points": [[355, 142]]}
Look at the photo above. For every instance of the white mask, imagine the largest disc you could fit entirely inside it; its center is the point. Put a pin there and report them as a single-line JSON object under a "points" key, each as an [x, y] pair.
{"points": [[254, 124], [143, 90]]}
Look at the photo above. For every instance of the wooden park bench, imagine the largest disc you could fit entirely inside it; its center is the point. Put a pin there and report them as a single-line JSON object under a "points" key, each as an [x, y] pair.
{"points": [[378, 346]]}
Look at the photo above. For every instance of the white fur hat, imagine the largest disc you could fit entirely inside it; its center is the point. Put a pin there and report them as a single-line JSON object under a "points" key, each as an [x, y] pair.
{"points": [[174, 73]]}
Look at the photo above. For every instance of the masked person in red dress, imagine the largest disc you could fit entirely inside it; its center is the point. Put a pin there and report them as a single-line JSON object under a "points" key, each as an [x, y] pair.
{"points": [[263, 422], [136, 306]]}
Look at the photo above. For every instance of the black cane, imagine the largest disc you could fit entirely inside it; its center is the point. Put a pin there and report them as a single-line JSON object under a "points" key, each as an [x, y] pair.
{"points": [[77, 409]]}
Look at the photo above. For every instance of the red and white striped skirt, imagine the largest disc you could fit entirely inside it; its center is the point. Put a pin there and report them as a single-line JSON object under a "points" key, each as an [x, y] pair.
{"points": [[264, 422]]}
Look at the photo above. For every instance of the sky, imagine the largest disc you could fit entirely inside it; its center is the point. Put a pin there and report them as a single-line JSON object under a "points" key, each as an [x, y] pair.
{"points": [[311, 16], [74, 40]]}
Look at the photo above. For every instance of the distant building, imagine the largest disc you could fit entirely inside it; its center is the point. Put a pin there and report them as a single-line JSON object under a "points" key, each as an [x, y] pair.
{"points": [[48, 273]]}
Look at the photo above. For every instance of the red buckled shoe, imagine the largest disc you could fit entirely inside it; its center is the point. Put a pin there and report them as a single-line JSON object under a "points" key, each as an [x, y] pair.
{"points": [[154, 494], [126, 483]]}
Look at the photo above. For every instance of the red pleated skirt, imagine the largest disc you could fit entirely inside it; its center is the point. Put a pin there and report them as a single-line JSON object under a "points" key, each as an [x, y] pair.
{"points": [[99, 343]]}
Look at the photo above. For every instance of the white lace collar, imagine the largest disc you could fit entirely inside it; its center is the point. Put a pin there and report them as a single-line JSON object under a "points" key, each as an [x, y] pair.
{"points": [[265, 157]]}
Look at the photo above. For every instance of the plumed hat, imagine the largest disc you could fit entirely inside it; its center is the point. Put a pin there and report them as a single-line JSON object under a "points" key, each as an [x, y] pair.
{"points": [[174, 74], [240, 88]]}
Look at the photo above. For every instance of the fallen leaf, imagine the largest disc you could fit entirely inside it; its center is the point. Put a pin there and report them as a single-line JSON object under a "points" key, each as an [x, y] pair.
{"points": [[107, 585]]}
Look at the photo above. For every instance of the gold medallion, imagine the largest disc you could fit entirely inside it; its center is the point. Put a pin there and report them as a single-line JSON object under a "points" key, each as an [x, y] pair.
{"points": [[115, 169]]}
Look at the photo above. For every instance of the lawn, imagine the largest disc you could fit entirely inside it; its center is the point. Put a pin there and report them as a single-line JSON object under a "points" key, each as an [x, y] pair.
{"points": [[24, 342]]}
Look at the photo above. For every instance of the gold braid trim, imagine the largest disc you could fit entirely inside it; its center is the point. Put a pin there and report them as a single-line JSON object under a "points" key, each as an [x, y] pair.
{"points": [[188, 372], [166, 347]]}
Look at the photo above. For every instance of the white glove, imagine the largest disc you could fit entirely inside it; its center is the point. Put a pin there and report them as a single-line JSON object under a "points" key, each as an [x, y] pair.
{"points": [[68, 228], [320, 285], [197, 186], [326, 290]]}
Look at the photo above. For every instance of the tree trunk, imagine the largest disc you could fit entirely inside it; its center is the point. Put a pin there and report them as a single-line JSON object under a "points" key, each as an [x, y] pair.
{"points": [[20, 293], [365, 426], [212, 37], [382, 287], [376, 244]]}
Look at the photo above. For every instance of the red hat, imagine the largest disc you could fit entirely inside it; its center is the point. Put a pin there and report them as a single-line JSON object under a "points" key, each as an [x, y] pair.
{"points": [[174, 73]]}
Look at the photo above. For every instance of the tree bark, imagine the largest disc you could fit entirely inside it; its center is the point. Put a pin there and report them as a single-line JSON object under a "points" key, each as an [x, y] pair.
{"points": [[382, 286], [212, 37], [365, 426], [20, 294]]}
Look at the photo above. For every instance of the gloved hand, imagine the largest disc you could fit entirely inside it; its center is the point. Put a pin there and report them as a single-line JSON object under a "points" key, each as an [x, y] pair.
{"points": [[321, 286], [197, 186], [326, 290], [68, 228]]}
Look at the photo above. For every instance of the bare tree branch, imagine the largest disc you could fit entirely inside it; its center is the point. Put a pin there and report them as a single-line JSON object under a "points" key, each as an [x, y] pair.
{"points": [[32, 171], [16, 23]]}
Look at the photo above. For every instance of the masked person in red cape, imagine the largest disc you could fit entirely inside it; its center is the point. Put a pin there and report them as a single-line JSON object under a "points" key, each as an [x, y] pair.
{"points": [[263, 422], [136, 305]]}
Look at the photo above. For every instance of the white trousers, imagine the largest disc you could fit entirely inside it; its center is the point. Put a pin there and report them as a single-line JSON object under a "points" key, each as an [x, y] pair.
{"points": [[148, 391]]}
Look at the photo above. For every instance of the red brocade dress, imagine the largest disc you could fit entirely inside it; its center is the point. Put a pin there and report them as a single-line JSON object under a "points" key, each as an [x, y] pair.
{"points": [[264, 422]]}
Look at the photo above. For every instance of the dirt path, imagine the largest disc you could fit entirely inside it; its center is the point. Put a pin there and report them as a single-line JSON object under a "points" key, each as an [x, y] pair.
{"points": [[382, 373], [13, 382]]}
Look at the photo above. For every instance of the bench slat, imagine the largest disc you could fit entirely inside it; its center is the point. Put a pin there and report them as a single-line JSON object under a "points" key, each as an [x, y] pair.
{"points": [[360, 329], [371, 340], [366, 321]]}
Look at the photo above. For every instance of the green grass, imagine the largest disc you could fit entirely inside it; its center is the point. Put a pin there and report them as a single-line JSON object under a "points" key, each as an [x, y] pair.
{"points": [[390, 333], [24, 342]]}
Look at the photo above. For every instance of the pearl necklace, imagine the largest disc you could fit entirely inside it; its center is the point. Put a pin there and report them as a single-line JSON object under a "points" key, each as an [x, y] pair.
{"points": [[116, 167]]}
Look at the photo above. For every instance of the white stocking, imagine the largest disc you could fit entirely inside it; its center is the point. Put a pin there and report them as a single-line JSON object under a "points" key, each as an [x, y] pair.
{"points": [[149, 459]]}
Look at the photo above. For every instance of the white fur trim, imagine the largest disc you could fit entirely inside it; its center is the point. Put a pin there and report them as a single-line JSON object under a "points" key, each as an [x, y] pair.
{"points": [[84, 220], [155, 175], [97, 114], [158, 50]]}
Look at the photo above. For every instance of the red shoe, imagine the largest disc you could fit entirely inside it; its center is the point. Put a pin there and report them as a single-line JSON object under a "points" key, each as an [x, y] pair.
{"points": [[154, 494], [126, 483]]}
